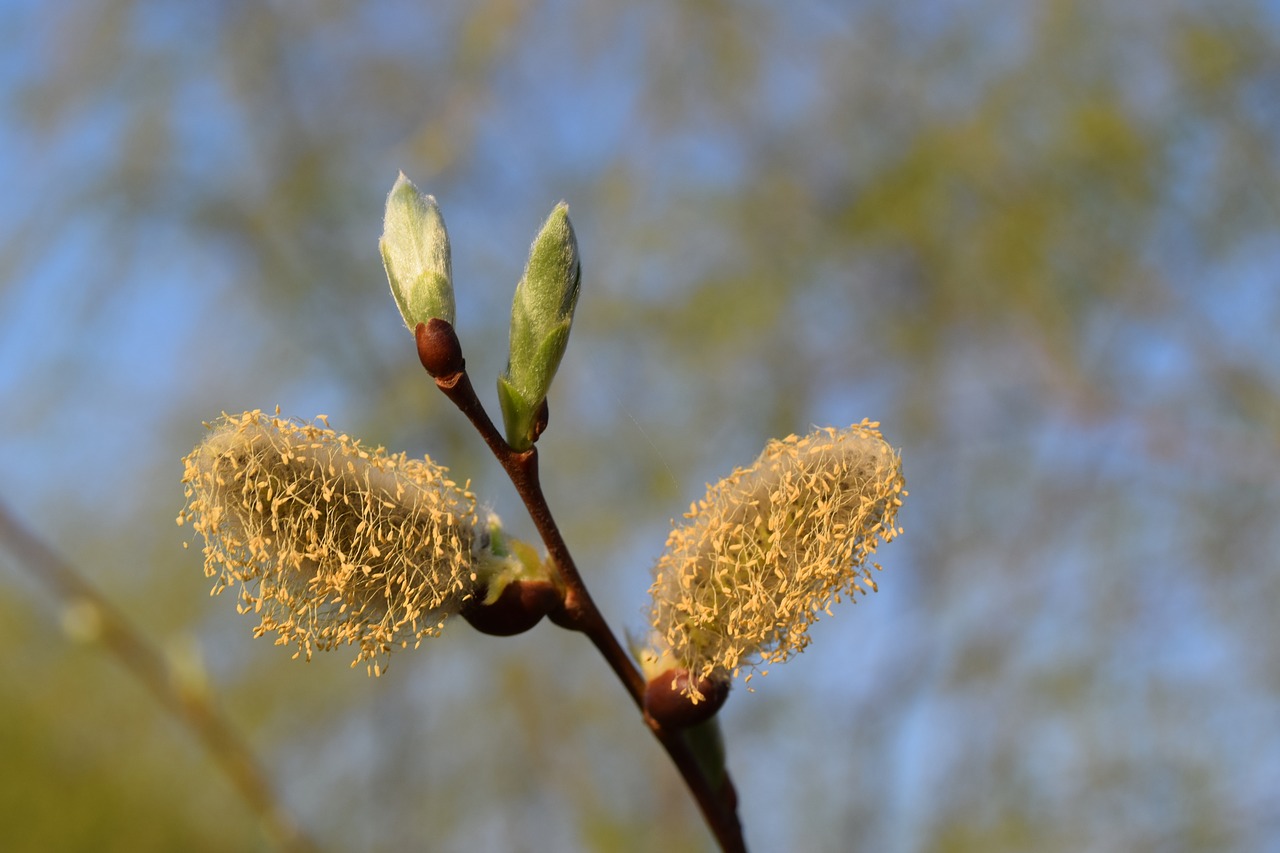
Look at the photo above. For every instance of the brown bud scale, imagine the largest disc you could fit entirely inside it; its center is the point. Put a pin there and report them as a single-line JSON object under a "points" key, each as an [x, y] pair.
{"points": [[438, 348], [519, 607], [667, 699]]}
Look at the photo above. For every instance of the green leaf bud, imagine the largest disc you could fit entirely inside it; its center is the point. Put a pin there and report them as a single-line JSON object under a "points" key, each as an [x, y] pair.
{"points": [[541, 316], [415, 254]]}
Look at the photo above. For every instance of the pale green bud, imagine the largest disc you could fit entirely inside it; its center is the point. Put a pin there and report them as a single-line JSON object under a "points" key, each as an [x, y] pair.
{"points": [[415, 254], [541, 316]]}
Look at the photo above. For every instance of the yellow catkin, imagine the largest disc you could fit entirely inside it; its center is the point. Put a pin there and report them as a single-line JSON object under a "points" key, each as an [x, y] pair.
{"points": [[330, 543], [772, 546]]}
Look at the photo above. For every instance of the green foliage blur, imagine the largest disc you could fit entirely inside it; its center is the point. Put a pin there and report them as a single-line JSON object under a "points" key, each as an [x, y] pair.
{"points": [[1035, 240]]}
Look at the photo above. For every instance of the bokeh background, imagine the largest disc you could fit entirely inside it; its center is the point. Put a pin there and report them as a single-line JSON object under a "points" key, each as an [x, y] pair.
{"points": [[1037, 240]]}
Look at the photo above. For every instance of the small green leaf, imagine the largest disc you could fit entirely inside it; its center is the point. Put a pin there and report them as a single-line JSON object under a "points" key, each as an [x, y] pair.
{"points": [[516, 413], [499, 559], [707, 743]]}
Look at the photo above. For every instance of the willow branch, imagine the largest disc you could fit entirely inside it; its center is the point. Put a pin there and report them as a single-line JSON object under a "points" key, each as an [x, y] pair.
{"points": [[441, 354]]}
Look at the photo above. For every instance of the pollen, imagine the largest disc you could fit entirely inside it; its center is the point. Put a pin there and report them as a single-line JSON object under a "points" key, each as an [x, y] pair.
{"points": [[326, 541], [774, 545]]}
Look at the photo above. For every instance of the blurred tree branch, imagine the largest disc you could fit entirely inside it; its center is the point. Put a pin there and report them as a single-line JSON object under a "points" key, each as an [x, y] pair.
{"points": [[185, 698]]}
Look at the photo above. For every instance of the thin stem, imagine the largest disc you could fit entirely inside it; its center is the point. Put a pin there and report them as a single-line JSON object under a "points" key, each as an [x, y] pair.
{"points": [[190, 706], [441, 355]]}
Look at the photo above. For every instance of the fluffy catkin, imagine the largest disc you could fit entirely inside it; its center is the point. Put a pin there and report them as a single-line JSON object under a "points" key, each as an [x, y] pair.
{"points": [[773, 545], [330, 543]]}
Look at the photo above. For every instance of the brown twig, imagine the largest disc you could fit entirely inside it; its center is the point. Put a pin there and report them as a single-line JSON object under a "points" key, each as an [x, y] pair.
{"points": [[441, 354], [191, 707]]}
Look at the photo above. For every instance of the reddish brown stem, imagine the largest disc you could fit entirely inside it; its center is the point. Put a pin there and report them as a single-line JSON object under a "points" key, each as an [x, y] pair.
{"points": [[438, 348]]}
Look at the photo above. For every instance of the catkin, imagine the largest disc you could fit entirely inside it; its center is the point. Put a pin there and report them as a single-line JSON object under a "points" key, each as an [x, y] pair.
{"points": [[772, 546], [329, 543]]}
